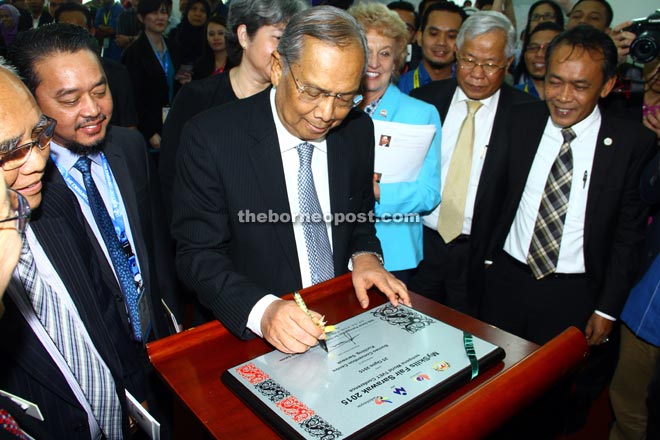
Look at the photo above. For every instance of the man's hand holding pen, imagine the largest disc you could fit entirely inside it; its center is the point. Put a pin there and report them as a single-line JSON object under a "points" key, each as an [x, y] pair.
{"points": [[289, 329]]}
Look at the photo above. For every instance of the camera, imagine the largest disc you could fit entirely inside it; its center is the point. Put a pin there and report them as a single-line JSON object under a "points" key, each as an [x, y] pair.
{"points": [[647, 44]]}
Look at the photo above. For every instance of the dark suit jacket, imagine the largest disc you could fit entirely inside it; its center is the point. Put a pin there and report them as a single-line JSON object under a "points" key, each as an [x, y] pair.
{"points": [[149, 85], [192, 99], [27, 369], [123, 107], [230, 162], [127, 156], [440, 94], [615, 215]]}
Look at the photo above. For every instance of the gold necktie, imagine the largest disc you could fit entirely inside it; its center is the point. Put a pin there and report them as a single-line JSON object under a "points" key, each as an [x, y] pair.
{"points": [[450, 220]]}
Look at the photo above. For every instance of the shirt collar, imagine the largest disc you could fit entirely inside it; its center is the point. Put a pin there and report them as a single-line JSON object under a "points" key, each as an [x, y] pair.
{"points": [[66, 159], [585, 125], [486, 102], [287, 140]]}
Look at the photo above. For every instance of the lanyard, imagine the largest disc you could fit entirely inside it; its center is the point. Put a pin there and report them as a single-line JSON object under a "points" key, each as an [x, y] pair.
{"points": [[106, 18], [166, 63], [416, 78], [117, 218]]}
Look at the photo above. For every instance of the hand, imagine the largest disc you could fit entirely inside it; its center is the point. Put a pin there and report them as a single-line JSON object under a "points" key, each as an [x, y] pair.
{"points": [[622, 40], [598, 329], [104, 31], [154, 141], [289, 329], [377, 186], [652, 121], [368, 272], [123, 40], [184, 76]]}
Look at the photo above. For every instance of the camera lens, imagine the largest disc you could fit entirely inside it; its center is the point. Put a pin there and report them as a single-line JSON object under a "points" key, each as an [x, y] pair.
{"points": [[645, 47]]}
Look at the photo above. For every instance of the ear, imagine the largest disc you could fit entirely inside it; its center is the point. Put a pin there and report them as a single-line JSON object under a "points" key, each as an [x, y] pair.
{"points": [[508, 63], [607, 87], [243, 37], [140, 18], [276, 69]]}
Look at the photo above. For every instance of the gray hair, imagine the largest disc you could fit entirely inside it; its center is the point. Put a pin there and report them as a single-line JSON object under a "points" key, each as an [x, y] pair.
{"points": [[331, 25], [4, 64], [255, 14], [483, 22]]}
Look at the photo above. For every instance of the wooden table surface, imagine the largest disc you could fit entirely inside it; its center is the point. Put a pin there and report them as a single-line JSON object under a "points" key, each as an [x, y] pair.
{"points": [[192, 362]]}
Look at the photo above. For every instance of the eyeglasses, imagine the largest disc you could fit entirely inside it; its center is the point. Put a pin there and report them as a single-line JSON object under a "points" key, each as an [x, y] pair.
{"points": [[545, 17], [314, 94], [468, 64], [19, 211], [41, 136], [536, 47]]}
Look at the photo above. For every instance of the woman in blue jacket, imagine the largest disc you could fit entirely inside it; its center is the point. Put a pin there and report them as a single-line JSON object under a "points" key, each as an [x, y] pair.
{"points": [[399, 206]]}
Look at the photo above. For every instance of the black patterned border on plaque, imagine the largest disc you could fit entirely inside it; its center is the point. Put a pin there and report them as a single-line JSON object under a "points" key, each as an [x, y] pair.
{"points": [[320, 429], [403, 317], [272, 390]]}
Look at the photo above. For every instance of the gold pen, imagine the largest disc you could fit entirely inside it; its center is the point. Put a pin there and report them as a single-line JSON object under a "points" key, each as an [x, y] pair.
{"points": [[303, 307]]}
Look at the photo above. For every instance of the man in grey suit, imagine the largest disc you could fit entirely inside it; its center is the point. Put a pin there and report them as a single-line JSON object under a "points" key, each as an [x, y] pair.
{"points": [[251, 158]]}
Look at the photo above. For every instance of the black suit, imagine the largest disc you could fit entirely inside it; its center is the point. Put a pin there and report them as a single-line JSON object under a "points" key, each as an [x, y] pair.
{"points": [[615, 215], [230, 162], [149, 85], [27, 369], [440, 94], [137, 184], [192, 99]]}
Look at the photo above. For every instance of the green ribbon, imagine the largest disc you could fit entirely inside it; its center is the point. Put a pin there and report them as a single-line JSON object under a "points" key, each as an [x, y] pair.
{"points": [[472, 356]]}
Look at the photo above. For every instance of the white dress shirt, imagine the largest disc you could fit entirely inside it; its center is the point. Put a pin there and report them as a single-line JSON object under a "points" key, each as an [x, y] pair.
{"points": [[583, 147], [66, 159], [483, 126], [290, 161]]}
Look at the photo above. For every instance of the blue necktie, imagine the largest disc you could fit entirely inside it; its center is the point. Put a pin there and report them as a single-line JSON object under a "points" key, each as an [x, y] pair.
{"points": [[117, 254], [317, 243]]}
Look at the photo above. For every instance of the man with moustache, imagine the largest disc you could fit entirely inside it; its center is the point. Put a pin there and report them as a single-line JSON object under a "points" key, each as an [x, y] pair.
{"points": [[299, 147], [107, 169], [67, 358], [455, 232], [437, 38], [565, 249]]}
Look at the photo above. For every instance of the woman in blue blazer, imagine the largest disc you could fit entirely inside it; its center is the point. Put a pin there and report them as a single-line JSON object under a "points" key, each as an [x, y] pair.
{"points": [[401, 240]]}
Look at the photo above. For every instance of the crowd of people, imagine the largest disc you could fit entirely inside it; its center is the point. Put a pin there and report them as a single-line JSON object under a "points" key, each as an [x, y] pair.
{"points": [[511, 174]]}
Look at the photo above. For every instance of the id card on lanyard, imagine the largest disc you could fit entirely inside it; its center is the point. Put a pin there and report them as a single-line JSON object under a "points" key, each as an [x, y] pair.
{"points": [[144, 302]]}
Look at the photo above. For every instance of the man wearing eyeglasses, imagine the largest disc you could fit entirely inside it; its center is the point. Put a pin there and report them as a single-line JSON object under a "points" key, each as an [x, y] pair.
{"points": [[297, 149], [56, 304], [473, 108]]}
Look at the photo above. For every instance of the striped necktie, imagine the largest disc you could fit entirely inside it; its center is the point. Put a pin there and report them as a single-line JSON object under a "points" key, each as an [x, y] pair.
{"points": [[544, 249], [63, 325]]}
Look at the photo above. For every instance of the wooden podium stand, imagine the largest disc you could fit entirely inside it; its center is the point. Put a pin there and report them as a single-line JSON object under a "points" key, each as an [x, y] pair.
{"points": [[191, 363]]}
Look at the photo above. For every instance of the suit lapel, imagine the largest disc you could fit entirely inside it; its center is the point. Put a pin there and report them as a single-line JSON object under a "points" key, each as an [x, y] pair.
{"points": [[126, 185], [266, 159]]}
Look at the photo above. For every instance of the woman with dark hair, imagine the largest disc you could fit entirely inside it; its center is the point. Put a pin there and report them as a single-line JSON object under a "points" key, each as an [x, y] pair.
{"points": [[214, 57], [151, 66], [187, 39], [540, 12], [9, 18], [253, 32], [530, 73]]}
